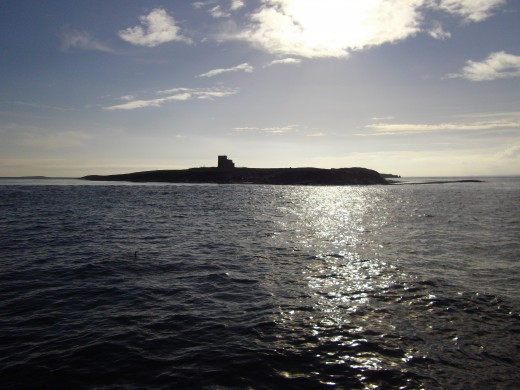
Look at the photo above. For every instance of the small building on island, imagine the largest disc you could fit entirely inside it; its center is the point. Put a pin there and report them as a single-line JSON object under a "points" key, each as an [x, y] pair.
{"points": [[225, 163]]}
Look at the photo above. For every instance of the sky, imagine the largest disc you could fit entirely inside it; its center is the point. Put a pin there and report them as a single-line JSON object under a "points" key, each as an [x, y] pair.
{"points": [[409, 87]]}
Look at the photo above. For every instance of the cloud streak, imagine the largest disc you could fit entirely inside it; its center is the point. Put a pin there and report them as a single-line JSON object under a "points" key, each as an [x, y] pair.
{"points": [[77, 39], [174, 95], [156, 28], [418, 128], [277, 130], [498, 65], [245, 67], [285, 61], [219, 11]]}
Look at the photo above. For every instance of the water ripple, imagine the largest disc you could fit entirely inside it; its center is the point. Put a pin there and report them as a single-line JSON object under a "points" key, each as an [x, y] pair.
{"points": [[258, 287]]}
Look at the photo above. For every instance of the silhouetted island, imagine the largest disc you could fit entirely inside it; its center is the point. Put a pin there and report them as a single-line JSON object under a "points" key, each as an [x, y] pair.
{"points": [[226, 173]]}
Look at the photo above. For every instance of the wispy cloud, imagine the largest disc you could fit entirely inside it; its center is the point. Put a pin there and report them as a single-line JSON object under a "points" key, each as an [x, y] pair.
{"points": [[436, 31], [198, 4], [268, 130], [245, 129], [77, 39], [417, 128], [318, 134], [470, 10], [245, 67], [178, 90], [334, 28], [236, 4], [382, 118], [175, 94], [217, 10], [497, 65], [156, 28], [284, 61]]}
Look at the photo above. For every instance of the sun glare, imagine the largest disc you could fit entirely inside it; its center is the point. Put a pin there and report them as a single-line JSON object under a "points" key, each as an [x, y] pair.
{"points": [[332, 27], [332, 22]]}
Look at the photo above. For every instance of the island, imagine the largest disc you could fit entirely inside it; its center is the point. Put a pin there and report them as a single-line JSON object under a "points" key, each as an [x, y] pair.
{"points": [[227, 173]]}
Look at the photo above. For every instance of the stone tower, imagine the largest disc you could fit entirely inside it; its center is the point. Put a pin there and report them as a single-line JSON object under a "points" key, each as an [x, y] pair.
{"points": [[225, 163]]}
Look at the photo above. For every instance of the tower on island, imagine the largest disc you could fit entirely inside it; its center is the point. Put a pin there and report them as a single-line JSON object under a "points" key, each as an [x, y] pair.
{"points": [[225, 163]]}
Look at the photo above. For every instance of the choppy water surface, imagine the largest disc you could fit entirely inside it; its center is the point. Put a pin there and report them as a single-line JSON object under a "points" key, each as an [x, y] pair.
{"points": [[238, 286]]}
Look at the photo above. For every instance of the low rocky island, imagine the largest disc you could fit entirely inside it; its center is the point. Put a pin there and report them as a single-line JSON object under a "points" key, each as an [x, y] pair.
{"points": [[226, 173]]}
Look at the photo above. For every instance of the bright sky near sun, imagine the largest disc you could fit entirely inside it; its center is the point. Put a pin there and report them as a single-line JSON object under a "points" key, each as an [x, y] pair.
{"points": [[411, 87]]}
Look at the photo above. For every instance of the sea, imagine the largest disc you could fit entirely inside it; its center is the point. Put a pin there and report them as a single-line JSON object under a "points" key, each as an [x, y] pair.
{"points": [[110, 285]]}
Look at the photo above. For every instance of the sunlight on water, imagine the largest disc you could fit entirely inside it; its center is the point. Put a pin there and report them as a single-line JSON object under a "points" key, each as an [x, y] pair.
{"points": [[340, 227], [335, 227]]}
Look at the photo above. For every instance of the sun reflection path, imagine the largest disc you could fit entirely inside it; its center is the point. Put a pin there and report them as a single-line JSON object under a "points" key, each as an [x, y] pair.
{"points": [[339, 227]]}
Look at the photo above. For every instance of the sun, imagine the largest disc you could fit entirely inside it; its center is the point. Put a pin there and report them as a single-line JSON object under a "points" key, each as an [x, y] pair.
{"points": [[332, 28]]}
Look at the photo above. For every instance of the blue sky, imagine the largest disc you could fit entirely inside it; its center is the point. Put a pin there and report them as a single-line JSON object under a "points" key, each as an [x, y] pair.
{"points": [[412, 87]]}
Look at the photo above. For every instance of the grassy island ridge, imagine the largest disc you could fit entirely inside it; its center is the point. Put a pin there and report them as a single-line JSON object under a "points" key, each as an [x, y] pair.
{"points": [[290, 176]]}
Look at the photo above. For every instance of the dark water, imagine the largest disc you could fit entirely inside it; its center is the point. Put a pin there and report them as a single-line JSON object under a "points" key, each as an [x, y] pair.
{"points": [[238, 286]]}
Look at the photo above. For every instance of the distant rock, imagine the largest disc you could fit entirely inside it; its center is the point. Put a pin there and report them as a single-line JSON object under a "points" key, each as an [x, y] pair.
{"points": [[443, 182]]}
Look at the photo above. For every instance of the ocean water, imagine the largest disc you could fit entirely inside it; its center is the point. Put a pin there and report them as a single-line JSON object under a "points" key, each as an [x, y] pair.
{"points": [[114, 286]]}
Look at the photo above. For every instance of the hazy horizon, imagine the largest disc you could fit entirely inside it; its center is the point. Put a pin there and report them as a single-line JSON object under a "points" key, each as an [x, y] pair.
{"points": [[413, 88]]}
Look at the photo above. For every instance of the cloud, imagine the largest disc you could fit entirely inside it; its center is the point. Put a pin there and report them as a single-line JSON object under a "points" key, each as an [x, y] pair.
{"points": [[176, 94], [268, 130], [437, 32], [236, 4], [198, 4], [417, 128], [217, 12], [330, 28], [245, 67], [280, 130], [334, 28], [470, 10], [381, 118], [284, 61], [127, 98], [159, 27], [245, 129], [497, 65], [178, 90], [76, 39]]}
